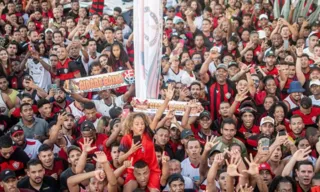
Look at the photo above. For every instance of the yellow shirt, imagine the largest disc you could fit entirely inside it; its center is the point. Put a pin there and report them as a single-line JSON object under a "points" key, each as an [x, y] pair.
{"points": [[13, 96]]}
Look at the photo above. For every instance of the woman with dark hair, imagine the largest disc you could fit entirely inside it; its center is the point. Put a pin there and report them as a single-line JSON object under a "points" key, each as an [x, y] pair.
{"points": [[278, 112], [119, 59], [196, 7], [5, 64], [269, 89], [267, 103], [280, 184]]}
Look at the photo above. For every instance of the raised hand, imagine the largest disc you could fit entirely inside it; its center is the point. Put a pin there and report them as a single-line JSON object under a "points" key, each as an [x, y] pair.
{"points": [[299, 51], [86, 145], [211, 143], [128, 164], [219, 159], [241, 96], [165, 158], [253, 166], [302, 154], [233, 166], [169, 92], [246, 188], [99, 174], [135, 146], [101, 157]]}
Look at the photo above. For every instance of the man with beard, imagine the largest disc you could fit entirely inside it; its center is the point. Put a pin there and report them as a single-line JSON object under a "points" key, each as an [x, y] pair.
{"points": [[9, 182], [74, 9], [30, 87], [36, 179], [53, 166], [60, 102], [162, 138], [220, 88], [270, 68], [201, 128], [79, 61], [33, 127], [45, 110], [295, 94], [11, 157], [66, 71], [4, 88], [68, 126], [30, 146], [74, 153], [277, 42], [315, 90], [228, 131]]}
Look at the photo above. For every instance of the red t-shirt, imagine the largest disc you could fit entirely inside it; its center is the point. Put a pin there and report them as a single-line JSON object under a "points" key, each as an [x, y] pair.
{"points": [[147, 153], [58, 167], [308, 119]]}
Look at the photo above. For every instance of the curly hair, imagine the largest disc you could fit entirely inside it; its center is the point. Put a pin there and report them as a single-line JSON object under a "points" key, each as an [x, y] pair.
{"points": [[128, 124]]}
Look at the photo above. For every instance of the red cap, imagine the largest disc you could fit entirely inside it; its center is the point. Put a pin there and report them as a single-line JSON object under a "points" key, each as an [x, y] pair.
{"points": [[265, 166]]}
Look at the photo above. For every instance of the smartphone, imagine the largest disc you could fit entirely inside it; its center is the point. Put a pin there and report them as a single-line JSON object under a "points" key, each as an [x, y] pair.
{"points": [[136, 139], [54, 87], [264, 143], [62, 111], [286, 44], [282, 132]]}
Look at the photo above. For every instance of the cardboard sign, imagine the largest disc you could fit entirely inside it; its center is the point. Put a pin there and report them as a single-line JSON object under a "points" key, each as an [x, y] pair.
{"points": [[100, 82], [152, 106]]}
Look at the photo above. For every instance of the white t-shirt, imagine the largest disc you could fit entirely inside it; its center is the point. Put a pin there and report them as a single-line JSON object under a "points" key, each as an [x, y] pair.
{"points": [[189, 170], [308, 52], [188, 184], [186, 79], [314, 101], [174, 76], [40, 75], [32, 147], [104, 108], [77, 113]]}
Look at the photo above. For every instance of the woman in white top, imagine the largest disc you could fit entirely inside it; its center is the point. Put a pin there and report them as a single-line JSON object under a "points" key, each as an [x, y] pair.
{"points": [[189, 76], [174, 72]]}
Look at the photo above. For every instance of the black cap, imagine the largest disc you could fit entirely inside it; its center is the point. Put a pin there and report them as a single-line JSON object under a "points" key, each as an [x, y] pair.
{"points": [[306, 102], [73, 147], [186, 133], [113, 122], [205, 114], [115, 112], [15, 129], [87, 126], [7, 174], [314, 68], [175, 177]]}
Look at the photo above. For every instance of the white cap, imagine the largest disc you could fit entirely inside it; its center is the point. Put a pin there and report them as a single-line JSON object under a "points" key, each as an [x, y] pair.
{"points": [[267, 119], [314, 82], [48, 30], [263, 16]]}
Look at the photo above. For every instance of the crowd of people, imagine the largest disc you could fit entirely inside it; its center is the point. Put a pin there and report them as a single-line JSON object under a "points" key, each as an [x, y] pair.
{"points": [[255, 73]]}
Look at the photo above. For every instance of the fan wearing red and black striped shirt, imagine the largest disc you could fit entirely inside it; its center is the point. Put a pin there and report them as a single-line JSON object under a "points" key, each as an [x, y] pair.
{"points": [[65, 69]]}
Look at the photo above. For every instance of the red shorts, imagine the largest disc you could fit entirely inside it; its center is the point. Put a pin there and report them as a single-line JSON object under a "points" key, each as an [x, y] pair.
{"points": [[154, 179]]}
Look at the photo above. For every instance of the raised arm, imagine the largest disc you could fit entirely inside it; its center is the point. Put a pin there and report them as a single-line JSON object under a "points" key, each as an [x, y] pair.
{"points": [[300, 75], [169, 95], [300, 155], [204, 157], [86, 148], [75, 180], [189, 15], [186, 119]]}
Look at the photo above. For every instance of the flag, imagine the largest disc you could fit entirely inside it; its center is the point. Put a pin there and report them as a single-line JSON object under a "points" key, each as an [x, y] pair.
{"points": [[147, 47]]}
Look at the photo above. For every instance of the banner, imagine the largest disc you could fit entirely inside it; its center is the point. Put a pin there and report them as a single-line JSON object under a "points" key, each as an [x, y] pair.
{"points": [[151, 106], [100, 82], [147, 47]]}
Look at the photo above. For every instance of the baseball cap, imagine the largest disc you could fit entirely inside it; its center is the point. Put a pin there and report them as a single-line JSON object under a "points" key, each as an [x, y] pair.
{"points": [[270, 53], [48, 30], [267, 119], [263, 16], [175, 177], [179, 20], [265, 166], [16, 129], [205, 114], [314, 82], [73, 147], [87, 126], [222, 66], [175, 34], [314, 68], [233, 63], [7, 174], [186, 133]]}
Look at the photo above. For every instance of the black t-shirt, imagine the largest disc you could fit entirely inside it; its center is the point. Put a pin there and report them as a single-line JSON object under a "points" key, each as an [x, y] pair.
{"points": [[17, 162], [208, 41], [68, 173], [77, 64], [49, 184]]}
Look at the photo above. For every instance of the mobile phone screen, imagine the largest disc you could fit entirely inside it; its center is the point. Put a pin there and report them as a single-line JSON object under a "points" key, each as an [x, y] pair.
{"points": [[264, 143]]}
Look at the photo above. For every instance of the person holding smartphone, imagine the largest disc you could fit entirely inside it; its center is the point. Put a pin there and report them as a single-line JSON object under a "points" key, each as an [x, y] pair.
{"points": [[138, 145]]}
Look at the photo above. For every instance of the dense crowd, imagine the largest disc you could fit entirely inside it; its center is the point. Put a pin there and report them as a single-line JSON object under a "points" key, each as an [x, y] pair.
{"points": [[250, 67]]}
